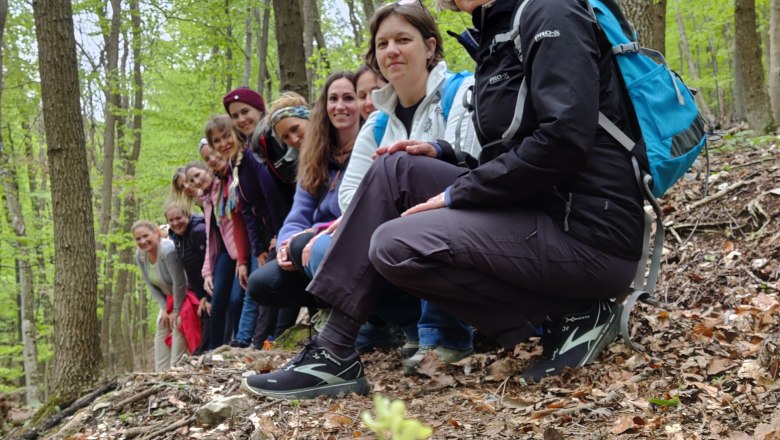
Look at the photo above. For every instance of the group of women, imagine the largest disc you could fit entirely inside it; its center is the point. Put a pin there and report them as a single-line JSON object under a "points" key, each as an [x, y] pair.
{"points": [[270, 189], [412, 209]]}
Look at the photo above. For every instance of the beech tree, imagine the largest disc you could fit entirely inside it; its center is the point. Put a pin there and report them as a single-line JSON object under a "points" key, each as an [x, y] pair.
{"points": [[750, 69], [292, 59], [649, 19], [78, 361]]}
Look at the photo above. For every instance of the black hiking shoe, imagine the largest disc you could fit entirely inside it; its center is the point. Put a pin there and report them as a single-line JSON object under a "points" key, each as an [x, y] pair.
{"points": [[315, 371], [575, 340]]}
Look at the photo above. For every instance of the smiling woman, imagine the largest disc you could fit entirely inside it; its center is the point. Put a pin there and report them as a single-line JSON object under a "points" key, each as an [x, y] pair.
{"points": [[167, 282]]}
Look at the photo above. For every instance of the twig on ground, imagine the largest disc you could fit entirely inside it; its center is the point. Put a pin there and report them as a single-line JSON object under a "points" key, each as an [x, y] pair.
{"points": [[175, 426], [132, 399], [720, 194]]}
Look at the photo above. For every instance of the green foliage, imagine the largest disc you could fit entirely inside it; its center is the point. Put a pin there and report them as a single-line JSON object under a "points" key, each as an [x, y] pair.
{"points": [[390, 417], [673, 401]]}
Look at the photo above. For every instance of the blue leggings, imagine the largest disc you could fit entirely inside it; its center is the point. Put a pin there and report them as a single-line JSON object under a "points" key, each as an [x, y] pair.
{"points": [[226, 301]]}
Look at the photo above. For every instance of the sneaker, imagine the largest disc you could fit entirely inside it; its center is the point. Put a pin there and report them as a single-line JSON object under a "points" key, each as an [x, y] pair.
{"points": [[238, 344], [314, 372], [446, 355], [575, 340]]}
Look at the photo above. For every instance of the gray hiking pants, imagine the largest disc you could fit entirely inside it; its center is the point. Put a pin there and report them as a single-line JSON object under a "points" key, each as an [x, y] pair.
{"points": [[501, 270]]}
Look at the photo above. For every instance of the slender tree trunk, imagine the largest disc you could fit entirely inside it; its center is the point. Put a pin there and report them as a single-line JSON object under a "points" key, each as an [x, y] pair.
{"points": [[718, 88], [368, 11], [308, 41], [113, 105], [24, 255], [77, 361], [248, 47], [748, 54], [292, 61], [228, 50], [355, 22], [774, 59], [121, 339], [262, 44], [693, 73]]}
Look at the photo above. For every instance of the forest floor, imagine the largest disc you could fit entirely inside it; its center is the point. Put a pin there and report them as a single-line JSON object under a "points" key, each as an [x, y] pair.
{"points": [[710, 370]]}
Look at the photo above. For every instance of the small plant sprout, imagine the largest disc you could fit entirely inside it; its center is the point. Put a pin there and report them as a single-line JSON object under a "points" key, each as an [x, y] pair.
{"points": [[390, 418]]}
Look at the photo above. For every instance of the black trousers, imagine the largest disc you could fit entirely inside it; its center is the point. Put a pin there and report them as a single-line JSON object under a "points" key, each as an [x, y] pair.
{"points": [[501, 270]]}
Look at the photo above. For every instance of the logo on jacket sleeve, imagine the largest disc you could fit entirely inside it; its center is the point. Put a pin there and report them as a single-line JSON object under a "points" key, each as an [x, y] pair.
{"points": [[498, 78], [546, 34]]}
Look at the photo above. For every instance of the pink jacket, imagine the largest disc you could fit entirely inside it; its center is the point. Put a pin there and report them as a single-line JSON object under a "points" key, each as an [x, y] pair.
{"points": [[232, 231]]}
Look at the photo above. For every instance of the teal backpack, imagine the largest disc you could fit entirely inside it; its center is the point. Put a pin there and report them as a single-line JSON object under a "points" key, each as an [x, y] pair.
{"points": [[451, 86], [671, 127], [670, 123]]}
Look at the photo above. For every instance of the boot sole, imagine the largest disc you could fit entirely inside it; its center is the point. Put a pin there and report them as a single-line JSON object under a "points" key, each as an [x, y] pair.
{"points": [[360, 387]]}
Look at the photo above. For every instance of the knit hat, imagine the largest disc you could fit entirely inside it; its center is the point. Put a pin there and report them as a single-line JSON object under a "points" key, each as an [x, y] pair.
{"points": [[245, 95]]}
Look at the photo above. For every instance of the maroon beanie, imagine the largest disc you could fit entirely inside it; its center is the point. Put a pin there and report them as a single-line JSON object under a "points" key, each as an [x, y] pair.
{"points": [[245, 95]]}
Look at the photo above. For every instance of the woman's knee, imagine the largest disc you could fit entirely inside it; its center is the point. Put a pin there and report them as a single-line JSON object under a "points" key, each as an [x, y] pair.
{"points": [[386, 250]]}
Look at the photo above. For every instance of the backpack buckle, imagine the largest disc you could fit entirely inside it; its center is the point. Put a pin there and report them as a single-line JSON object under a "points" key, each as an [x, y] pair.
{"points": [[626, 48]]}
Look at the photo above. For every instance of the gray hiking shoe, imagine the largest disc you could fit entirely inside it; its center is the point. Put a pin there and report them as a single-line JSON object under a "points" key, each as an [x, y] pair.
{"points": [[575, 340], [446, 355]]}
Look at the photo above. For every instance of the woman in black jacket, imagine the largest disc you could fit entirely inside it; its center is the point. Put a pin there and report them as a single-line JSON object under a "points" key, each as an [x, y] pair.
{"points": [[188, 233], [545, 232]]}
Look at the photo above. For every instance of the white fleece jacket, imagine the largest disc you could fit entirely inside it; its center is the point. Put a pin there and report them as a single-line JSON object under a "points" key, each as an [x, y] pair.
{"points": [[428, 125]]}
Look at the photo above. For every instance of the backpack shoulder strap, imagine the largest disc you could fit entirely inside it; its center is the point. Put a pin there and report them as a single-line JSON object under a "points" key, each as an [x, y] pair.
{"points": [[451, 86], [380, 126]]}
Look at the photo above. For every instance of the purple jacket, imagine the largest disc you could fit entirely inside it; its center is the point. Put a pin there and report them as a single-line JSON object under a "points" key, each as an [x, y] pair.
{"points": [[311, 211]]}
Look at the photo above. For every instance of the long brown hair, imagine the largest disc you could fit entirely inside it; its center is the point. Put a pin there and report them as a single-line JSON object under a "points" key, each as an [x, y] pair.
{"points": [[320, 144]]}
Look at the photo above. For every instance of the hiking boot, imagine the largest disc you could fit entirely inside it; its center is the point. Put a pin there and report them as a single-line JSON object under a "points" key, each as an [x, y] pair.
{"points": [[409, 348], [575, 340], [446, 355], [315, 371]]}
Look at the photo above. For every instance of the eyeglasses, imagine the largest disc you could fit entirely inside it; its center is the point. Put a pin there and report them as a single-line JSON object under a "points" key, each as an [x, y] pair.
{"points": [[406, 3]]}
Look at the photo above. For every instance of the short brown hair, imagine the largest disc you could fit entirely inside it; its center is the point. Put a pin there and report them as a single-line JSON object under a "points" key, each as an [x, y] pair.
{"points": [[416, 15]]}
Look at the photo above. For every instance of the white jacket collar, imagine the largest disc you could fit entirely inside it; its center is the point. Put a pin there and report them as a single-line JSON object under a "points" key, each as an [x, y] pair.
{"points": [[385, 99]]}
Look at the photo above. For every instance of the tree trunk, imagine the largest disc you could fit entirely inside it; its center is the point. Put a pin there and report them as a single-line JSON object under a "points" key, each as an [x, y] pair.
{"points": [[248, 47], [649, 19], [76, 334], [774, 59], [718, 88], [368, 10], [693, 73], [228, 50], [121, 339], [355, 22], [292, 61], [113, 104], [262, 44], [748, 54], [308, 41], [24, 250]]}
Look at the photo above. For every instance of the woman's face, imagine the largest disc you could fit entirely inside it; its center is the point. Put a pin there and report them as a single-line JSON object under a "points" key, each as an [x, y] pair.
{"points": [[224, 143], [367, 83], [184, 185], [245, 117], [215, 160], [291, 130], [342, 105], [146, 239], [401, 52], [177, 221]]}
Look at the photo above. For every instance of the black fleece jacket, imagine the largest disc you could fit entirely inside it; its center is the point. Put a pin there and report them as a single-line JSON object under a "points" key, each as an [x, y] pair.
{"points": [[559, 161], [191, 249]]}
